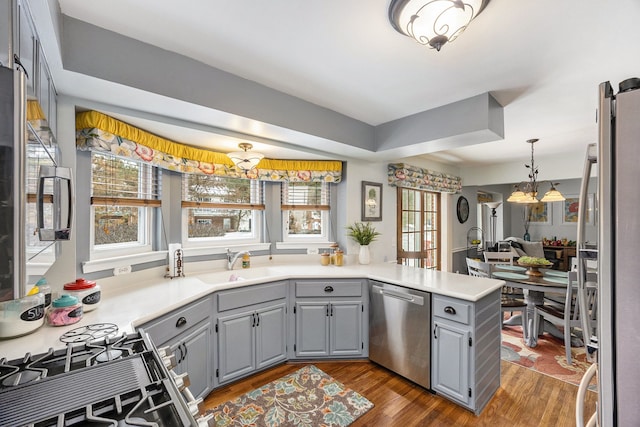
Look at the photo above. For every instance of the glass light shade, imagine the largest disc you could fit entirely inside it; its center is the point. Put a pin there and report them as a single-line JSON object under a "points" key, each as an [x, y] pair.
{"points": [[434, 22], [530, 198], [552, 195], [516, 197], [245, 160]]}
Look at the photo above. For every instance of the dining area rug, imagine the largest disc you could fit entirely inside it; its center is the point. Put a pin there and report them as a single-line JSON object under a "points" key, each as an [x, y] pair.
{"points": [[548, 357], [306, 398]]}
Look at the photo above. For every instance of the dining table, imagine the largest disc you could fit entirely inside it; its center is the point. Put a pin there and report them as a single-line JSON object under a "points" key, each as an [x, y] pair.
{"points": [[534, 289]]}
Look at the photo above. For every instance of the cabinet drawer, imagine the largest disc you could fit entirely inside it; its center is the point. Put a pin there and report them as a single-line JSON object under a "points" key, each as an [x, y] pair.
{"points": [[329, 288], [242, 297], [178, 321], [452, 309]]}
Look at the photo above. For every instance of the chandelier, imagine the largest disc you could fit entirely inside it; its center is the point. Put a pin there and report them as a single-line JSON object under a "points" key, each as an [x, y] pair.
{"points": [[527, 191], [245, 159], [433, 22]]}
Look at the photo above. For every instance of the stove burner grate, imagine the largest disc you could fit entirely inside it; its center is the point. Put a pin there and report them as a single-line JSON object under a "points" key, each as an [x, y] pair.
{"points": [[89, 333]]}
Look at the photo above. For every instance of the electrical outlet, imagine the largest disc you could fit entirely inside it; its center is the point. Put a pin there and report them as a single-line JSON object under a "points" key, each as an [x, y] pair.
{"points": [[122, 270], [312, 251]]}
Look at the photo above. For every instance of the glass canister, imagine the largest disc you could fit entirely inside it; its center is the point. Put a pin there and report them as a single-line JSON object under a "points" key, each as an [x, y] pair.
{"points": [[21, 316], [87, 292], [324, 258], [339, 255], [65, 310]]}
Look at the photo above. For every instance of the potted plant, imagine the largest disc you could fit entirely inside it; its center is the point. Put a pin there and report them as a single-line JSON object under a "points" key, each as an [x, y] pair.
{"points": [[364, 234]]}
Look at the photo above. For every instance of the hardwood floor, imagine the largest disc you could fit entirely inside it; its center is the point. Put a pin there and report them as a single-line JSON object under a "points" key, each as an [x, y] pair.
{"points": [[525, 398]]}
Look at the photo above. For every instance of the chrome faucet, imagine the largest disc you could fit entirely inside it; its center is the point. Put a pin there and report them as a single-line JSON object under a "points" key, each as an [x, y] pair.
{"points": [[231, 258]]}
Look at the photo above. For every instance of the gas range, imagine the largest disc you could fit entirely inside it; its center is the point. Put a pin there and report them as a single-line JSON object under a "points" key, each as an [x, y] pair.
{"points": [[117, 381]]}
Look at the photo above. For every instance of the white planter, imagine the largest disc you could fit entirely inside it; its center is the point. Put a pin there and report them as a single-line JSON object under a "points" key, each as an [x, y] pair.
{"points": [[363, 256]]}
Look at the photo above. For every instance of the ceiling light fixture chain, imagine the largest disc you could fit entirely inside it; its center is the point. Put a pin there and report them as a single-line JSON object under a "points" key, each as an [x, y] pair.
{"points": [[433, 22]]}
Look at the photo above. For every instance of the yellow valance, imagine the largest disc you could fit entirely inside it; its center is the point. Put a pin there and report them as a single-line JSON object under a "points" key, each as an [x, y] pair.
{"points": [[97, 131]]}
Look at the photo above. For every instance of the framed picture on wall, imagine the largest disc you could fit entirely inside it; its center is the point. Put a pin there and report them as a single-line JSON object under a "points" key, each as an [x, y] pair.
{"points": [[570, 208], [540, 213], [371, 201]]}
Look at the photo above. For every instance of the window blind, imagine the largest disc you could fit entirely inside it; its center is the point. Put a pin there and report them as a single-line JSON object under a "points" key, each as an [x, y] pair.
{"points": [[205, 191], [120, 181], [305, 196]]}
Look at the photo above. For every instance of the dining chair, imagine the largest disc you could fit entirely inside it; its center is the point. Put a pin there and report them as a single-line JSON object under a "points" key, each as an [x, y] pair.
{"points": [[499, 257], [508, 300], [568, 315]]}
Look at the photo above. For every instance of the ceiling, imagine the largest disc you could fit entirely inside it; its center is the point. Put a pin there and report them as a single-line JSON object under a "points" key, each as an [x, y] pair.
{"points": [[541, 60]]}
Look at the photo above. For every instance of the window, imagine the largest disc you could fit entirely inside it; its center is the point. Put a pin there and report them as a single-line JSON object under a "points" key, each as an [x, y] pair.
{"points": [[217, 208], [419, 228], [305, 211], [124, 194]]}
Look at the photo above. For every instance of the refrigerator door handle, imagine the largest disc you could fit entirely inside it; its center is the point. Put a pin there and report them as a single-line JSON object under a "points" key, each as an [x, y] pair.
{"points": [[582, 391]]}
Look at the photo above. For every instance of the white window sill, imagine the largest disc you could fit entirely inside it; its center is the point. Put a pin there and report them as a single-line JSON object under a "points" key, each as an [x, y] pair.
{"points": [[303, 245], [122, 261], [209, 250]]}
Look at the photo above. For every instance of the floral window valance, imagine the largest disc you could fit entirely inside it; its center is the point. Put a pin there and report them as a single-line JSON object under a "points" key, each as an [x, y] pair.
{"points": [[99, 132], [403, 175]]}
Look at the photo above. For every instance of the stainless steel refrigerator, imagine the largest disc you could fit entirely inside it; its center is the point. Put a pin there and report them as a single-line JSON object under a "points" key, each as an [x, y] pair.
{"points": [[617, 339], [35, 193]]}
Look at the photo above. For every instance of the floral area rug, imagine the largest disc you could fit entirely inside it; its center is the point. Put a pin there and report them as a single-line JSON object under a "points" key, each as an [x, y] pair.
{"points": [[306, 398], [548, 357]]}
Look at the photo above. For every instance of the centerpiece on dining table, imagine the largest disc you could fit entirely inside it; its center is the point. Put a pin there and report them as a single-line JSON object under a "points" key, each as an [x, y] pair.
{"points": [[533, 264]]}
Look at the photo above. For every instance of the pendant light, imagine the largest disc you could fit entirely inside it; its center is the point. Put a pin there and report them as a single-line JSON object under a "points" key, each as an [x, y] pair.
{"points": [[527, 191]]}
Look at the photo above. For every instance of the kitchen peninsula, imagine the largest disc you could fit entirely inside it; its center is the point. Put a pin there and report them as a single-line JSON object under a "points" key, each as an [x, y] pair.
{"points": [[132, 304]]}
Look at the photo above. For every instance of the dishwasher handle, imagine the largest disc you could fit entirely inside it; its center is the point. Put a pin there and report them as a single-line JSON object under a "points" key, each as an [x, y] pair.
{"points": [[407, 297]]}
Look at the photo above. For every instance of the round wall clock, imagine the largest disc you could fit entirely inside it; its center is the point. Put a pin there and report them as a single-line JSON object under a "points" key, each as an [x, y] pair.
{"points": [[462, 209]]}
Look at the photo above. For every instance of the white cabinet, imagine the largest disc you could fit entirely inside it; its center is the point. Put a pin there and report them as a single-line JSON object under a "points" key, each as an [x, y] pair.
{"points": [[465, 365], [187, 331], [252, 329], [329, 318]]}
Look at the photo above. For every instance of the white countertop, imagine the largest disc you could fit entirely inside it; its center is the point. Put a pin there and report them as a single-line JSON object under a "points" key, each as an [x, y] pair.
{"points": [[135, 302]]}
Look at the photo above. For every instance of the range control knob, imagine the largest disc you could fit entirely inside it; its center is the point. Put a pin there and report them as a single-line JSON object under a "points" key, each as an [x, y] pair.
{"points": [[195, 406], [182, 380], [206, 421], [168, 357]]}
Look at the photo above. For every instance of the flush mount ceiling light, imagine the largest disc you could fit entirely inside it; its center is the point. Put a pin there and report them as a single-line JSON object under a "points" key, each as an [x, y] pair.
{"points": [[245, 159], [527, 191], [433, 22]]}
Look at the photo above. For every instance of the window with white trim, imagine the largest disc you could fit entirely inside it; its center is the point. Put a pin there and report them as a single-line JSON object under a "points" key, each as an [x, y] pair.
{"points": [[221, 209], [124, 194], [305, 211]]}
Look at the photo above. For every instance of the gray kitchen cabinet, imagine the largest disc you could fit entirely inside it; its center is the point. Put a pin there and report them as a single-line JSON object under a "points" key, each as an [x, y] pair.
{"points": [[192, 353], [252, 329], [187, 331], [329, 318], [466, 349]]}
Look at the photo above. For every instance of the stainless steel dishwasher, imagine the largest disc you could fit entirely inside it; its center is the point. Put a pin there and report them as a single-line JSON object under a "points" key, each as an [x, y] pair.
{"points": [[400, 331]]}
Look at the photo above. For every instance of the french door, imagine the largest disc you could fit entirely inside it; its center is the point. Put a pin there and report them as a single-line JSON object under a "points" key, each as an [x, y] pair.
{"points": [[418, 228]]}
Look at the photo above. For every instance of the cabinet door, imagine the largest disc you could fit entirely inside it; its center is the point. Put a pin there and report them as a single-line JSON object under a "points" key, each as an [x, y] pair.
{"points": [[193, 356], [271, 343], [451, 361], [312, 329], [346, 328], [236, 345]]}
